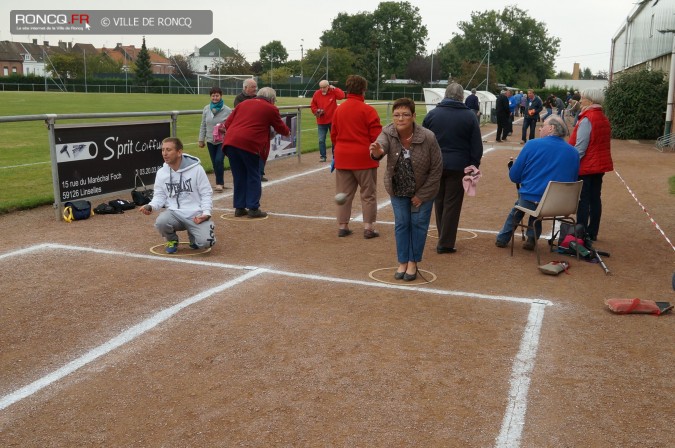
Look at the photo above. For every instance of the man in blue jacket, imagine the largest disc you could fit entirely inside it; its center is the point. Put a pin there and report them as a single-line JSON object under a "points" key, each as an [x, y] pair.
{"points": [[533, 107], [549, 158]]}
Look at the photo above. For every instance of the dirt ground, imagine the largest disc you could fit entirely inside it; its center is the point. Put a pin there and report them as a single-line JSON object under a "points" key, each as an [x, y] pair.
{"points": [[280, 336]]}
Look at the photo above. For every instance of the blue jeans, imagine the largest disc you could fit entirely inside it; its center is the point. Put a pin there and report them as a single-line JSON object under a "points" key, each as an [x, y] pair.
{"points": [[514, 218], [245, 168], [217, 160], [324, 129], [410, 228], [549, 112]]}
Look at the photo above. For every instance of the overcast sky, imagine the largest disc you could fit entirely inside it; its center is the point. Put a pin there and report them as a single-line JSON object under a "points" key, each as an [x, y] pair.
{"points": [[584, 27]]}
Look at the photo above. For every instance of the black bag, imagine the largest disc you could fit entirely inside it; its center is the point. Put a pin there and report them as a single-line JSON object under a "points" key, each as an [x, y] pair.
{"points": [[106, 209], [121, 205], [403, 180], [76, 210], [141, 197]]}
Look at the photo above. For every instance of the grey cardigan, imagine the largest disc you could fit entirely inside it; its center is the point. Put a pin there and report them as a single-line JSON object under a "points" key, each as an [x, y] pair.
{"points": [[426, 159], [209, 121]]}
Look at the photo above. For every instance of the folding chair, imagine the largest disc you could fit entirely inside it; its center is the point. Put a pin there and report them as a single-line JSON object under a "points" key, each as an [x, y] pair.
{"points": [[559, 202]]}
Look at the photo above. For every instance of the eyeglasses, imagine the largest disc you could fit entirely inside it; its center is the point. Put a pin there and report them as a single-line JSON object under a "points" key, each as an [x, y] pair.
{"points": [[403, 115]]}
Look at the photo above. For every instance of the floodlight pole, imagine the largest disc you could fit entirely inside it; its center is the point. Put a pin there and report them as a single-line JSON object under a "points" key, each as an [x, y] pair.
{"points": [[302, 81]]}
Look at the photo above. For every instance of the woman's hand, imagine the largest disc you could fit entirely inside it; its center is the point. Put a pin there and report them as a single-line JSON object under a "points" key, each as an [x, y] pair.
{"points": [[415, 201], [200, 144], [376, 150]]}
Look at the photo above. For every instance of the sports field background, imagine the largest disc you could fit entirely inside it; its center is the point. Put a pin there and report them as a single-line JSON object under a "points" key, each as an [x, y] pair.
{"points": [[25, 145]]}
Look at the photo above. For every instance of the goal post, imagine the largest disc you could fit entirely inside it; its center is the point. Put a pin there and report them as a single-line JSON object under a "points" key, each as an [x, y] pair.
{"points": [[230, 84]]}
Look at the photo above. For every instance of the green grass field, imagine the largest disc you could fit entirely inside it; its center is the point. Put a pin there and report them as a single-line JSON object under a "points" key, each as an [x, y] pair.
{"points": [[25, 166]]}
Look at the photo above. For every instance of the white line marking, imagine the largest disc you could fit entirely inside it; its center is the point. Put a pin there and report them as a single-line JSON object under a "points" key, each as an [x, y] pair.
{"points": [[123, 338], [514, 418], [298, 275], [22, 165], [380, 206], [441, 292], [149, 257], [24, 251], [217, 196]]}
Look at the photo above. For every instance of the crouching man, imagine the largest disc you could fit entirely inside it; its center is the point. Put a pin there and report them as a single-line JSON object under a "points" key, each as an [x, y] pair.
{"points": [[182, 186]]}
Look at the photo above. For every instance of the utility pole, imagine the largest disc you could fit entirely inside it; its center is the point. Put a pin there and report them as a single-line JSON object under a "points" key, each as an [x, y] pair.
{"points": [[431, 80], [84, 55], [487, 78], [326, 64], [377, 82], [302, 81]]}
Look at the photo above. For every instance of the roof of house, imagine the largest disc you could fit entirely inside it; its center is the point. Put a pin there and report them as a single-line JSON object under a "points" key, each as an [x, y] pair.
{"points": [[216, 48], [132, 53], [10, 51]]}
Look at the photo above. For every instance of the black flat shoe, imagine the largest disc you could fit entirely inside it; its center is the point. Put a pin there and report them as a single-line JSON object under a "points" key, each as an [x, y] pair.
{"points": [[344, 232], [399, 275], [410, 277], [445, 250]]}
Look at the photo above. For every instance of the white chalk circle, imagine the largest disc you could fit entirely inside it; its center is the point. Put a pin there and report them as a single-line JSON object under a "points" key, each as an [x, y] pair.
{"points": [[186, 253], [390, 274]]}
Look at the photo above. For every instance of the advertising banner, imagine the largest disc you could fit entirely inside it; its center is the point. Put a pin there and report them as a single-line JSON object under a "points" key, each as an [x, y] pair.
{"points": [[281, 146], [99, 159]]}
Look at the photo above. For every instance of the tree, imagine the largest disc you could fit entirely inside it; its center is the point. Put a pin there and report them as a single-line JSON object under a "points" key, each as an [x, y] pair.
{"points": [[520, 48], [449, 59], [563, 75], [602, 74], [65, 66], [400, 35], [278, 75], [231, 65], [395, 28], [474, 75], [159, 51], [634, 104], [273, 53], [419, 69], [142, 68], [182, 66], [72, 65], [340, 64], [586, 73]]}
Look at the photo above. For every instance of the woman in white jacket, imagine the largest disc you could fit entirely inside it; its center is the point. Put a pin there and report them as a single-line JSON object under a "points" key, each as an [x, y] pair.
{"points": [[214, 113]]}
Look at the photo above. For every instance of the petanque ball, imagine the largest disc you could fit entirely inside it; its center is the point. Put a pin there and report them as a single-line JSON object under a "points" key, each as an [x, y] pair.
{"points": [[340, 198]]}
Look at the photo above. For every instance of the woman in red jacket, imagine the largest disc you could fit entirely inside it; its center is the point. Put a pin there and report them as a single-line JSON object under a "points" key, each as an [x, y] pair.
{"points": [[592, 138], [355, 126]]}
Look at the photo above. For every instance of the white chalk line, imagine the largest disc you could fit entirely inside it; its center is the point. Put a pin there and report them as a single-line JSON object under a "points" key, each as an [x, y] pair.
{"points": [[160, 317], [514, 417], [23, 165], [271, 270], [116, 342]]}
